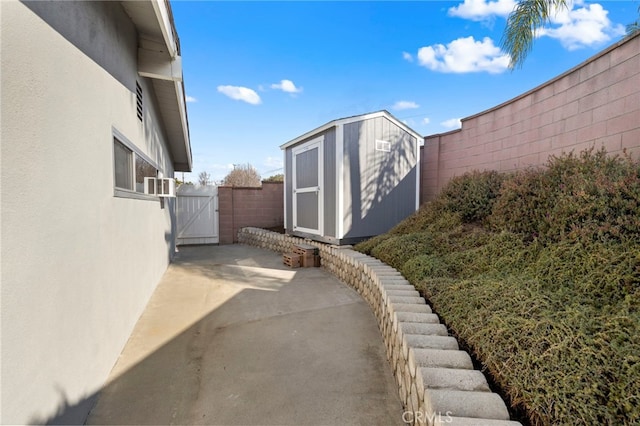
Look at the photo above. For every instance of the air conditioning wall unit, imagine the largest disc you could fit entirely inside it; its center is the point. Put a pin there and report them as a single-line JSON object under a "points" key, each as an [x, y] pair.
{"points": [[160, 187]]}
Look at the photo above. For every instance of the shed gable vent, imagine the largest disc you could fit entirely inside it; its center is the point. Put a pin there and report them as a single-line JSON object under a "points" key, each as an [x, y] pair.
{"points": [[383, 146], [139, 101]]}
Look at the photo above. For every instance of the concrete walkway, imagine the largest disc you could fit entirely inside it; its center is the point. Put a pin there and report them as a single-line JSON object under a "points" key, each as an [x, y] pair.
{"points": [[232, 336]]}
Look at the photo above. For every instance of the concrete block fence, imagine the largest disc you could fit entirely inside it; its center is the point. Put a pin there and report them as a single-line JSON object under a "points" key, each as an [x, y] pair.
{"points": [[595, 104], [436, 380], [240, 207]]}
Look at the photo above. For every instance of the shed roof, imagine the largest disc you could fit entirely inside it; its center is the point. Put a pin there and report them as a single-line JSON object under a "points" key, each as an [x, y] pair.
{"points": [[159, 59], [353, 119]]}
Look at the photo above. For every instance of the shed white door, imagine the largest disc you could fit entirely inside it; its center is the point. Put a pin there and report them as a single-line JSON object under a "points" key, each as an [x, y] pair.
{"points": [[307, 182], [197, 215]]}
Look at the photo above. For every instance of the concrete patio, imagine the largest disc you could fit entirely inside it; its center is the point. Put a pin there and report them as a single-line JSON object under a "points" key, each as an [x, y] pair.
{"points": [[232, 336]]}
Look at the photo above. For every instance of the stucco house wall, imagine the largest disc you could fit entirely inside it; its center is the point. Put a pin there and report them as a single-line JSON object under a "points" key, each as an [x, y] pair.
{"points": [[595, 104], [78, 263]]}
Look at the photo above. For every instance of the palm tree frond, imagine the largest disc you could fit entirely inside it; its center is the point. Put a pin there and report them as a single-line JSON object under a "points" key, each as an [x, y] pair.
{"points": [[522, 25], [634, 27]]}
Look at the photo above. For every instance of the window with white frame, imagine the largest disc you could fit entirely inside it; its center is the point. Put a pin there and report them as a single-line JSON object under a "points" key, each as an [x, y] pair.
{"points": [[122, 156], [130, 168]]}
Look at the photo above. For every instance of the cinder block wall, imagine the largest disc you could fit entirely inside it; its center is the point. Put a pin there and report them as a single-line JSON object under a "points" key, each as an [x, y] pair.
{"points": [[240, 207], [595, 104]]}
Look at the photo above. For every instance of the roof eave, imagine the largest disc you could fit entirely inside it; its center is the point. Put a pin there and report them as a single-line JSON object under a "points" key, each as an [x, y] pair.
{"points": [[352, 119], [156, 27]]}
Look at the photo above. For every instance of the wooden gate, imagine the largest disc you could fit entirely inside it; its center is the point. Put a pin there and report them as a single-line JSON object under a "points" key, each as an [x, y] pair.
{"points": [[197, 215]]}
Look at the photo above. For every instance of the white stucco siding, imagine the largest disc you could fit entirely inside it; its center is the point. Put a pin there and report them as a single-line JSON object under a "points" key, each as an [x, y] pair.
{"points": [[78, 265]]}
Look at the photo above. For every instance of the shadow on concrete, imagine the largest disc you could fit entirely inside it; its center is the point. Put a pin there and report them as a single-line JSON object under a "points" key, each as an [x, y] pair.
{"points": [[68, 413], [264, 344]]}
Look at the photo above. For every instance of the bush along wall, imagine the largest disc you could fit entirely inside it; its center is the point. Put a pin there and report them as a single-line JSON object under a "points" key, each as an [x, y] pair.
{"points": [[436, 381], [538, 273]]}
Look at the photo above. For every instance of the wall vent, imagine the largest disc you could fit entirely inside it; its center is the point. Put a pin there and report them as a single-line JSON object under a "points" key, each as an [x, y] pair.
{"points": [[139, 101], [383, 146]]}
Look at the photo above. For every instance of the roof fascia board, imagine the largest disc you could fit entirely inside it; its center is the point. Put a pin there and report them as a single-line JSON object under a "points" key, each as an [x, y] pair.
{"points": [[308, 134], [347, 120], [333, 123], [162, 15], [183, 118], [362, 117]]}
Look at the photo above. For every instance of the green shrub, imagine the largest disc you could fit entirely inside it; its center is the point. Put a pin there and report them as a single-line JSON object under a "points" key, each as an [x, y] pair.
{"points": [[472, 194], [561, 363], [506, 251], [429, 218], [396, 250], [522, 207], [425, 265], [591, 273], [433, 215], [420, 220], [590, 196], [467, 263], [545, 289], [368, 245], [468, 253]]}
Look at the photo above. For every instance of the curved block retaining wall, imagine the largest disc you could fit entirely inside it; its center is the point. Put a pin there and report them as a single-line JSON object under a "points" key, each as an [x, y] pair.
{"points": [[436, 380]]}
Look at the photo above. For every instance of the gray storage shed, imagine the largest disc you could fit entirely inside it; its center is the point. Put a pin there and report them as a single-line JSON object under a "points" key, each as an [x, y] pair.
{"points": [[351, 179]]}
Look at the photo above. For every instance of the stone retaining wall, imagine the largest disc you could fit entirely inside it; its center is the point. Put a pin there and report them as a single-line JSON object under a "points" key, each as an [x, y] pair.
{"points": [[436, 381]]}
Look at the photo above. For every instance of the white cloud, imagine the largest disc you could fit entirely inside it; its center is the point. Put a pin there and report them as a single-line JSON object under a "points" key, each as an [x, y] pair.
{"points": [[240, 93], [273, 162], [407, 56], [452, 123], [578, 27], [480, 10], [400, 105], [464, 55], [426, 120], [287, 86], [190, 99]]}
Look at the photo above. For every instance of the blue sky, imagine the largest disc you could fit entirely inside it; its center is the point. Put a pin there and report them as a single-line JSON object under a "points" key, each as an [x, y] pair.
{"points": [[258, 74]]}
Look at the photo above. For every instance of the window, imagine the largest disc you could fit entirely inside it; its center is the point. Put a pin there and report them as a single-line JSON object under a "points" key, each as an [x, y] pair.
{"points": [[143, 170], [130, 168], [122, 158]]}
